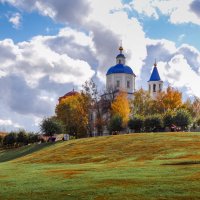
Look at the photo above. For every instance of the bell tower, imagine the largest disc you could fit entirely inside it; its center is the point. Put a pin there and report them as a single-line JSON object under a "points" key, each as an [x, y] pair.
{"points": [[155, 83]]}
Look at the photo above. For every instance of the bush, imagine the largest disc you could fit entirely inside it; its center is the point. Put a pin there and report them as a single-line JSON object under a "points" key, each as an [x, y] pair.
{"points": [[115, 124], [22, 137], [51, 126], [183, 119], [10, 139], [153, 123], [33, 138], [168, 119], [136, 124]]}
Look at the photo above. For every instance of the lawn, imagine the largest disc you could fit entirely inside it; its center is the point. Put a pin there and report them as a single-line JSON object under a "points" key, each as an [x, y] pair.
{"points": [[134, 166]]}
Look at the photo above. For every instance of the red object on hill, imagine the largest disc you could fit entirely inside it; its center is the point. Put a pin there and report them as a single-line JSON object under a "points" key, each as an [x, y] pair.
{"points": [[72, 93]]}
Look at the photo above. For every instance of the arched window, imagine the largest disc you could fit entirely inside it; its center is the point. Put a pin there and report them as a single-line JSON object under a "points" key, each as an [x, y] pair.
{"points": [[120, 61], [160, 87], [154, 87], [149, 88], [128, 84], [118, 83]]}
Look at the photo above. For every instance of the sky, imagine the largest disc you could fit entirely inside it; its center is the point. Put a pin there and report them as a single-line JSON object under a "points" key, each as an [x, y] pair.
{"points": [[49, 47]]}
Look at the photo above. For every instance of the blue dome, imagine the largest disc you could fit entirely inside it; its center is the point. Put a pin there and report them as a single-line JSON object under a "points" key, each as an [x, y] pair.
{"points": [[155, 75], [120, 68], [120, 55]]}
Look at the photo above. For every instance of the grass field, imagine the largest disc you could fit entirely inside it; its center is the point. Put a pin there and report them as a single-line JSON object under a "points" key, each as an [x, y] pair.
{"points": [[134, 166]]}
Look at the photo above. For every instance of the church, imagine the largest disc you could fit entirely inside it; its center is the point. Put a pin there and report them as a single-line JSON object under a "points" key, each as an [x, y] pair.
{"points": [[120, 77]]}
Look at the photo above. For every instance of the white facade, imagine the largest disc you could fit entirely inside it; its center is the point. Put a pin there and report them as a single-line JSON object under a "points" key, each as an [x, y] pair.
{"points": [[154, 88], [121, 81], [121, 77]]}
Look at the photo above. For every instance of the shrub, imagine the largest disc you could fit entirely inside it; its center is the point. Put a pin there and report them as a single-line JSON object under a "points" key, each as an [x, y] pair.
{"points": [[168, 119], [10, 139], [136, 123], [115, 124], [22, 137], [153, 123], [183, 119], [33, 138]]}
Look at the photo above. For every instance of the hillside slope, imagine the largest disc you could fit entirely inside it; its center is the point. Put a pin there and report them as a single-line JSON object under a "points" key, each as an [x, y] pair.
{"points": [[134, 166], [137, 147]]}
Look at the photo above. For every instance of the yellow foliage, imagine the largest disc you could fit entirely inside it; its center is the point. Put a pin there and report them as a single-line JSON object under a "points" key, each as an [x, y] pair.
{"points": [[121, 107], [73, 112], [169, 100]]}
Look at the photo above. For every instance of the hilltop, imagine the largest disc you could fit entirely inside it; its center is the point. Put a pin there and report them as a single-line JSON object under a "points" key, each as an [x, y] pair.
{"points": [[134, 166]]}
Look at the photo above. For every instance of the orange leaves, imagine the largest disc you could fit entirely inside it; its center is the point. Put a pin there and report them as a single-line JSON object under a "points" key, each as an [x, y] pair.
{"points": [[121, 107], [169, 100]]}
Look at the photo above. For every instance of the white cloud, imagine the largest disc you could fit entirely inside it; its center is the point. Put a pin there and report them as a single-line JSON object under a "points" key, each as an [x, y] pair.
{"points": [[178, 11], [8, 123], [35, 59], [181, 37], [15, 19], [178, 67], [36, 72]]}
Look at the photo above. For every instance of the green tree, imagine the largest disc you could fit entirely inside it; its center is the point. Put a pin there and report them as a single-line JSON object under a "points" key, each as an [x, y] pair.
{"points": [[136, 123], [183, 119], [153, 123], [50, 126], [116, 124], [169, 118]]}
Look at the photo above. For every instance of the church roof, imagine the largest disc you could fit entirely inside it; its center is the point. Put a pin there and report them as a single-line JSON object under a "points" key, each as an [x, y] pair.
{"points": [[120, 68], [71, 93], [121, 55], [155, 75]]}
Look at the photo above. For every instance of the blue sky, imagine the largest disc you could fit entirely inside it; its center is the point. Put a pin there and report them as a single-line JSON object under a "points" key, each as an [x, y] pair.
{"points": [[47, 48]]}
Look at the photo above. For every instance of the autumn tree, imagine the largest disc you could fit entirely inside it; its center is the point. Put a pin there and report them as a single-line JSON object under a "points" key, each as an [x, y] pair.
{"points": [[193, 106], [121, 107], [171, 99], [143, 103], [73, 112]]}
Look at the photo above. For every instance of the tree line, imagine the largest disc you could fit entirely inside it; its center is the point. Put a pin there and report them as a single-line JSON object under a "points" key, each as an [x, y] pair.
{"points": [[18, 138], [78, 115]]}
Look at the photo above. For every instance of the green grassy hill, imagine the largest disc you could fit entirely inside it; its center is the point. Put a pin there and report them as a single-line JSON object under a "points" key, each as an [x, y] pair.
{"points": [[134, 166]]}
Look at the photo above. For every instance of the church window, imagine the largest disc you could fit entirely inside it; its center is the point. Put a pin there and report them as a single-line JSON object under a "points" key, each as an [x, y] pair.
{"points": [[128, 84], [160, 87], [120, 61], [149, 88], [154, 87], [118, 83]]}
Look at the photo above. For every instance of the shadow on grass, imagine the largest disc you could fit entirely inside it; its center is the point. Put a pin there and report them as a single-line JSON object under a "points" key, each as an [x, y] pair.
{"points": [[195, 162], [11, 154]]}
